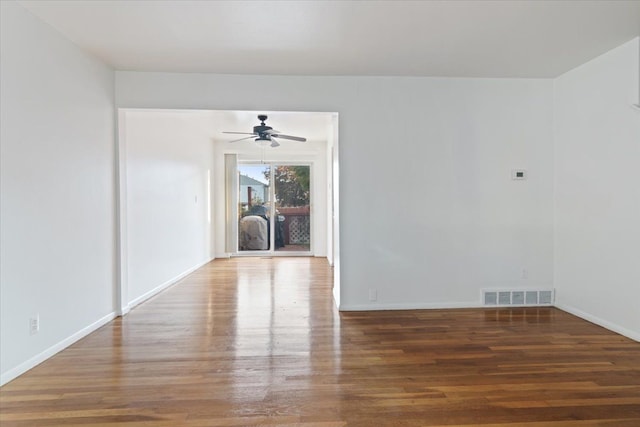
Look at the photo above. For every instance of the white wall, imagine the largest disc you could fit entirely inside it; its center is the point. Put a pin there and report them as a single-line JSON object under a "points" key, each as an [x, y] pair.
{"points": [[454, 140], [330, 146], [333, 244], [597, 196], [57, 191], [169, 172]]}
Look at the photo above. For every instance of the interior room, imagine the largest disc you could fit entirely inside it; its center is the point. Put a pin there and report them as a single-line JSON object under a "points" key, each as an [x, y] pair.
{"points": [[467, 165], [172, 167]]}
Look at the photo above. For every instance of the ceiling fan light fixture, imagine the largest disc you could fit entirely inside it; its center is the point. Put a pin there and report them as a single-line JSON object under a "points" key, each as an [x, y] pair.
{"points": [[263, 140]]}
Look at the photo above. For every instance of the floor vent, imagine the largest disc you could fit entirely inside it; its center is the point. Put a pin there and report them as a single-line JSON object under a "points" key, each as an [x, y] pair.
{"points": [[520, 297]]}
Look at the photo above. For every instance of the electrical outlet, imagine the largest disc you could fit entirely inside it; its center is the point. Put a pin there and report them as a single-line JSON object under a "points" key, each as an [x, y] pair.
{"points": [[34, 324], [373, 294], [518, 174]]}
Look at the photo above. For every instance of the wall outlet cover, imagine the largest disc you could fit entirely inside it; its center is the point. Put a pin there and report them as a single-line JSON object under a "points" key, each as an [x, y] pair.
{"points": [[518, 174]]}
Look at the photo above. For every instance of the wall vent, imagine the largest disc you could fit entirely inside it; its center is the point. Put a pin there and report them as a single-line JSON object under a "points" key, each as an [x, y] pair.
{"points": [[517, 297]]}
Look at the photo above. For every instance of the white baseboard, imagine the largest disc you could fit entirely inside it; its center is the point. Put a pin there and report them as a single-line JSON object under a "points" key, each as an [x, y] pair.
{"points": [[142, 298], [56, 348], [408, 306], [124, 310], [598, 321]]}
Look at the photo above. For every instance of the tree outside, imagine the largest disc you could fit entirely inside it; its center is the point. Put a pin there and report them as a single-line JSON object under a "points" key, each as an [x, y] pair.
{"points": [[292, 185]]}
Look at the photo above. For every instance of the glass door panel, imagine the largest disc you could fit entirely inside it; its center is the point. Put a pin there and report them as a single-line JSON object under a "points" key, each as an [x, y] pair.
{"points": [[254, 207], [292, 193]]}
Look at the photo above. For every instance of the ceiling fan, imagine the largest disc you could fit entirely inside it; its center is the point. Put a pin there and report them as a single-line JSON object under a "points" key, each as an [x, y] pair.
{"points": [[266, 134]]}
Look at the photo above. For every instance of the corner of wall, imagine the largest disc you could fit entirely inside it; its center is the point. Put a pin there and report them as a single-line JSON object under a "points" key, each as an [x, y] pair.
{"points": [[596, 200]]}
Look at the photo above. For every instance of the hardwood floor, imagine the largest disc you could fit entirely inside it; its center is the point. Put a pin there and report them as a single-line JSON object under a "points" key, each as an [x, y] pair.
{"points": [[253, 342]]}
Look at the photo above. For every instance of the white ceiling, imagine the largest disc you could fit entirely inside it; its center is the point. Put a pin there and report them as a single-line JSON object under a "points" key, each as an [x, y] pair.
{"points": [[408, 38]]}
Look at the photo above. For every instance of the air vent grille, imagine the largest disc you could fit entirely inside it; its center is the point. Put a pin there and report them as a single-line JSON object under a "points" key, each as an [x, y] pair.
{"points": [[517, 297]]}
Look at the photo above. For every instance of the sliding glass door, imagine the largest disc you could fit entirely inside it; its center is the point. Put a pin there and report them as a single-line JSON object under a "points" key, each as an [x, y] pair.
{"points": [[293, 207], [254, 213], [283, 226]]}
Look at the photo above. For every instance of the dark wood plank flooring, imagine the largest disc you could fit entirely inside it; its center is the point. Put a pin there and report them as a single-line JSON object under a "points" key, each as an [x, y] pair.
{"points": [[258, 342]]}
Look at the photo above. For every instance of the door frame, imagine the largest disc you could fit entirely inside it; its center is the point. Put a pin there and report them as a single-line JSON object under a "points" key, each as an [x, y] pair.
{"points": [[272, 216], [123, 304]]}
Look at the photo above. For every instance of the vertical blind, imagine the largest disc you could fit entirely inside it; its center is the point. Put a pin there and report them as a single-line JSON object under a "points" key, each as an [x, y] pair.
{"points": [[231, 202]]}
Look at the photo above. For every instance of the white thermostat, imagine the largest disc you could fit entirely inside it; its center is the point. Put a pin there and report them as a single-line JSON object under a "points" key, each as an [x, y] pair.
{"points": [[518, 174]]}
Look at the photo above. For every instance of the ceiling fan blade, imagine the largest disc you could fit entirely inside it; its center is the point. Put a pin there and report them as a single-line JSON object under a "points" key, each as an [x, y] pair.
{"points": [[272, 131], [293, 138], [274, 143], [241, 133], [242, 139]]}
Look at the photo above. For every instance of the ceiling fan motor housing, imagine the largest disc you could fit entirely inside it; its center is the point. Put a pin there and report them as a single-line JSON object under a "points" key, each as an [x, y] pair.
{"points": [[261, 130]]}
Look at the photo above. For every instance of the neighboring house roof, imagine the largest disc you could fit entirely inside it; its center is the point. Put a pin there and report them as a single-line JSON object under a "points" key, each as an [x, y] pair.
{"points": [[246, 180]]}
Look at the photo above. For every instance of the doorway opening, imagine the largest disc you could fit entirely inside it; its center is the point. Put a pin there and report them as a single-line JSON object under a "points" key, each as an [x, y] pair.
{"points": [[173, 193]]}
